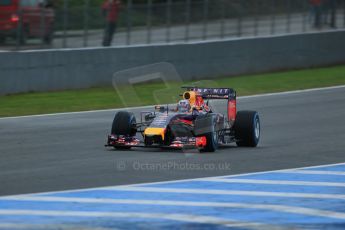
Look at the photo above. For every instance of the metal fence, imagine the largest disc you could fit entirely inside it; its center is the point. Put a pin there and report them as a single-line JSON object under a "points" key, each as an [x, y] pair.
{"points": [[176, 21]]}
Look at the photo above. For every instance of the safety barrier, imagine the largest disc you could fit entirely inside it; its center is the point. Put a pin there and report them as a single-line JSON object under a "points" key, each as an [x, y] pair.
{"points": [[48, 70]]}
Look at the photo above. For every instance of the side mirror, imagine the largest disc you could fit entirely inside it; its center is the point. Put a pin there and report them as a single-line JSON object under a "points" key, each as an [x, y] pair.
{"points": [[161, 109]]}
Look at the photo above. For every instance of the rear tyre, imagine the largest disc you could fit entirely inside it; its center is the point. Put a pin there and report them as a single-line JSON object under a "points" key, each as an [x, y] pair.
{"points": [[124, 124], [247, 128]]}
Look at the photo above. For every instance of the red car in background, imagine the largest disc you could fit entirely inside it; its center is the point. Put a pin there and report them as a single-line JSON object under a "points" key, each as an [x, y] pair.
{"points": [[22, 19]]}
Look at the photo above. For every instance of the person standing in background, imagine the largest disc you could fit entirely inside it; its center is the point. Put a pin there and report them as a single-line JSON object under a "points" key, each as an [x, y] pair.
{"points": [[329, 12], [332, 4], [316, 7], [110, 10]]}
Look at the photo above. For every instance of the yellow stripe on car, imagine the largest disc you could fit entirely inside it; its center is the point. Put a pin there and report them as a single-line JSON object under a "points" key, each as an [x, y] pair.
{"points": [[154, 132]]}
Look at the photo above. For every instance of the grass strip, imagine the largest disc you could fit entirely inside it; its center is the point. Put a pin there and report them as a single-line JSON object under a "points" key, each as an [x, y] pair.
{"points": [[159, 92]]}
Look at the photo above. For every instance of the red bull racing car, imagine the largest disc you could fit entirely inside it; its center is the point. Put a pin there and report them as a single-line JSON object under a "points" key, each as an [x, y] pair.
{"points": [[190, 124]]}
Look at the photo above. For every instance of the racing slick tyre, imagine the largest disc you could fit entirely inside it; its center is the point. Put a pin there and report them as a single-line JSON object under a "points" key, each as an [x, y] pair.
{"points": [[211, 142], [247, 128], [124, 124]]}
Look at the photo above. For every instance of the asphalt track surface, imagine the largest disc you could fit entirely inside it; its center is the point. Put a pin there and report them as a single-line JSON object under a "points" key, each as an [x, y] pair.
{"points": [[60, 152]]}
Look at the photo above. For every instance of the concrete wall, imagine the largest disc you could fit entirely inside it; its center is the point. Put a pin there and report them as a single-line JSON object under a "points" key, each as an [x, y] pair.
{"points": [[69, 69]]}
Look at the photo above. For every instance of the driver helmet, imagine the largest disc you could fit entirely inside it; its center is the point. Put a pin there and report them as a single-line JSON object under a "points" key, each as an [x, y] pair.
{"points": [[183, 106]]}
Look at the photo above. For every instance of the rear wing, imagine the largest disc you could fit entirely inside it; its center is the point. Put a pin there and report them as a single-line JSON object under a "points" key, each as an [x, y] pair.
{"points": [[213, 93], [218, 93]]}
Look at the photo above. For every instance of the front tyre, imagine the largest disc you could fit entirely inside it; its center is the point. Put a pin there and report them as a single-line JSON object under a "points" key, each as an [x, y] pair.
{"points": [[211, 142], [247, 128], [124, 124]]}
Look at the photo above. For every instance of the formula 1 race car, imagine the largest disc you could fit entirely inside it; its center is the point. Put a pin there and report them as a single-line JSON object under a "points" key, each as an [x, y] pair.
{"points": [[191, 124]]}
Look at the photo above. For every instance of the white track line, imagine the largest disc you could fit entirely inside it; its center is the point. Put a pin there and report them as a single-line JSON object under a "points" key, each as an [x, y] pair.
{"points": [[8, 225], [316, 172], [151, 106], [267, 207], [174, 217], [275, 182], [229, 192], [76, 113], [173, 181], [294, 92]]}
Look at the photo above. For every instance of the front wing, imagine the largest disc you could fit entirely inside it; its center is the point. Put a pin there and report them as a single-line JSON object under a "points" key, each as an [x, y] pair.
{"points": [[177, 143]]}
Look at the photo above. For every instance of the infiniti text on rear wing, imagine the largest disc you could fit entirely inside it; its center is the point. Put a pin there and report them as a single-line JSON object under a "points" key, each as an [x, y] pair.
{"points": [[213, 93]]}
